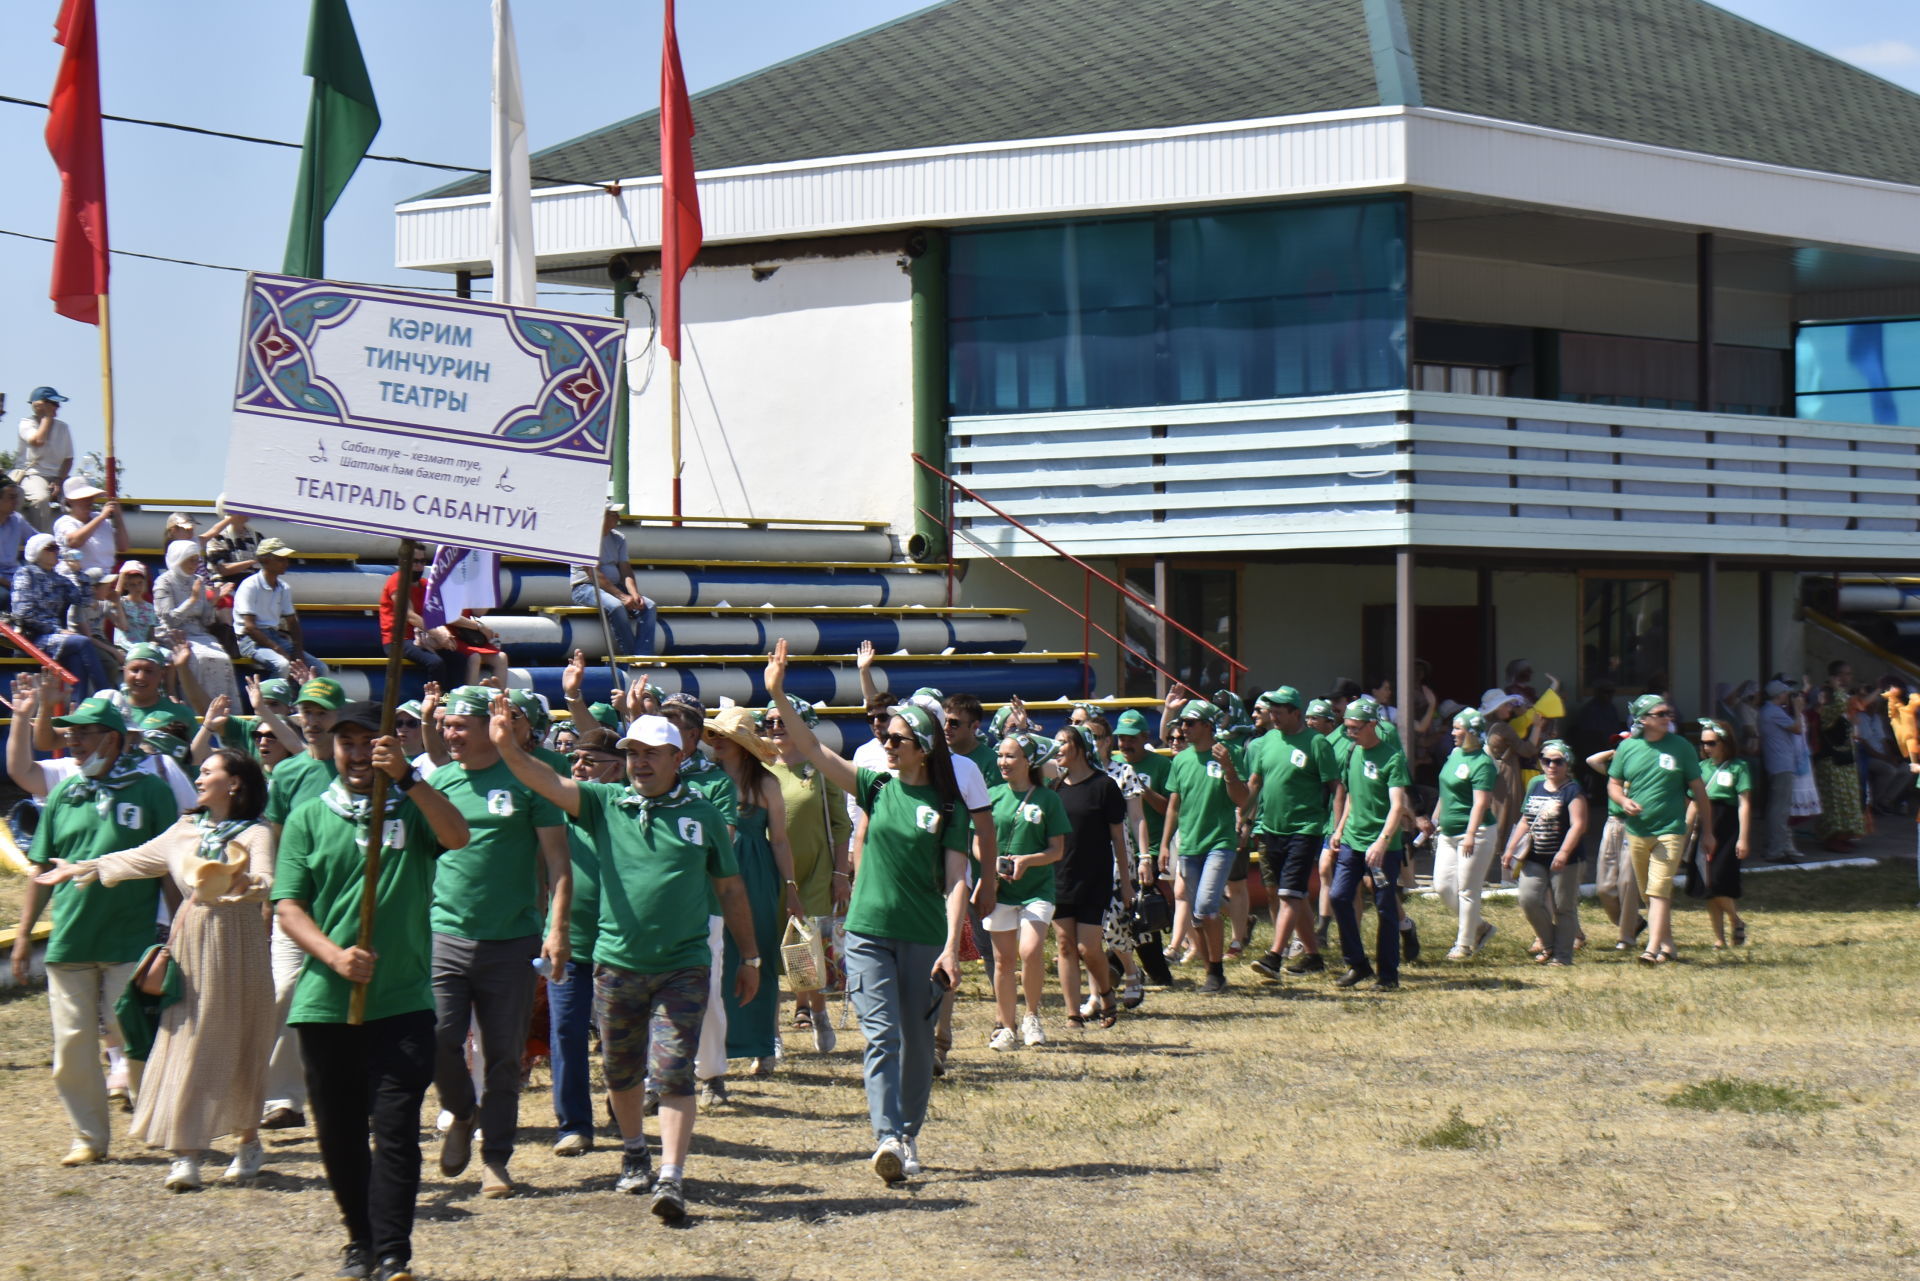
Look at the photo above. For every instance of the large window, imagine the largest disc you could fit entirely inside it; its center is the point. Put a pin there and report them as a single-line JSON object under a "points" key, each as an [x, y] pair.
{"points": [[1255, 304], [1203, 598], [1625, 631], [1859, 372]]}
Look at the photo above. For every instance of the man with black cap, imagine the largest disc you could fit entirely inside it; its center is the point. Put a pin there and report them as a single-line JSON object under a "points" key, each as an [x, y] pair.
{"points": [[366, 1081], [110, 803], [1374, 808], [1293, 775], [46, 456]]}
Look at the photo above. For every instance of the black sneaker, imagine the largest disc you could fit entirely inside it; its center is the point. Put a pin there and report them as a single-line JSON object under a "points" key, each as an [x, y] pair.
{"points": [[636, 1173], [1307, 963], [1355, 976], [393, 1268], [356, 1261], [669, 1203], [1268, 967], [1386, 985], [1410, 941], [649, 1103], [1214, 983], [285, 1119]]}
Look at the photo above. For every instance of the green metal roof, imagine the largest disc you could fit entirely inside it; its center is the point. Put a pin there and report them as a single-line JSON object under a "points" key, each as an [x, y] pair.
{"points": [[1676, 73]]}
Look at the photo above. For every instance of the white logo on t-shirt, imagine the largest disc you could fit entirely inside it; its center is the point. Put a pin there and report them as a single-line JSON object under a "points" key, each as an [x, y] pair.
{"points": [[127, 814], [691, 832], [1461, 771], [1372, 770], [926, 818], [1666, 761], [500, 802], [1030, 813], [1723, 778], [1213, 770], [1299, 759], [396, 830]]}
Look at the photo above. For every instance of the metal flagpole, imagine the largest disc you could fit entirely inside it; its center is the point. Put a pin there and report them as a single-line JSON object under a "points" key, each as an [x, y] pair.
{"points": [[377, 808]]}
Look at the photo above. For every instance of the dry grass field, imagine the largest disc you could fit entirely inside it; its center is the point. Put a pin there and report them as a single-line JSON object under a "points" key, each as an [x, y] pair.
{"points": [[1491, 1120]]}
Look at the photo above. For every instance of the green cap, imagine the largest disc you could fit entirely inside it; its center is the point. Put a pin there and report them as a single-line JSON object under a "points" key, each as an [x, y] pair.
{"points": [[95, 711], [1320, 707], [468, 700], [1285, 696], [649, 688], [148, 651], [411, 708], [1363, 710], [604, 713], [164, 721], [324, 692], [1646, 703], [279, 690], [1470, 719], [1130, 722], [1199, 709], [927, 691]]}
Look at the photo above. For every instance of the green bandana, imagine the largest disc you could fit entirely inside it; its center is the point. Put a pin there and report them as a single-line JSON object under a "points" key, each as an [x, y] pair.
{"points": [[804, 711], [642, 806], [1471, 720], [1087, 745], [1560, 746], [469, 700], [148, 651], [215, 836], [1037, 750], [920, 722], [100, 790], [1644, 704], [356, 808]]}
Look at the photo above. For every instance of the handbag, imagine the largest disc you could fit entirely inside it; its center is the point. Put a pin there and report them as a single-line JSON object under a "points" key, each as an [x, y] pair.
{"points": [[803, 956], [1152, 914], [154, 971]]}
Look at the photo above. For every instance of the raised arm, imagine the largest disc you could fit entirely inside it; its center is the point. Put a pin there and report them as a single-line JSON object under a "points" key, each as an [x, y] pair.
{"points": [[21, 767], [289, 736], [838, 770], [430, 736], [529, 769], [863, 659], [572, 676]]}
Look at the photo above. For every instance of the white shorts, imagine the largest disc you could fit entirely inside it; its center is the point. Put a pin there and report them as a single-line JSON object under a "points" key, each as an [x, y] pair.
{"points": [[1008, 916]]}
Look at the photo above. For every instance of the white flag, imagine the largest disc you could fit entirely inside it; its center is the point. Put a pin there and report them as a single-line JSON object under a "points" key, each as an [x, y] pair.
{"points": [[511, 206], [460, 579]]}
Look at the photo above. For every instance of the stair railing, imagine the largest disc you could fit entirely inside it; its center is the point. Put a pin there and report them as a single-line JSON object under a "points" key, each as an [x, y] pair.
{"points": [[1088, 573]]}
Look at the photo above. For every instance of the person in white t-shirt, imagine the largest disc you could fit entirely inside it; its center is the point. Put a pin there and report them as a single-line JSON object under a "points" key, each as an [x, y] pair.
{"points": [[100, 536], [264, 622], [46, 456]]}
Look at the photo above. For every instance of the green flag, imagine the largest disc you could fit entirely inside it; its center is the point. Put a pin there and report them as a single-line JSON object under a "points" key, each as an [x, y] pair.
{"points": [[341, 123]]}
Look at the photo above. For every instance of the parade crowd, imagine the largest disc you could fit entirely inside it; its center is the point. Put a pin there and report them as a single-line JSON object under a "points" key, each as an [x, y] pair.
{"points": [[632, 875]]}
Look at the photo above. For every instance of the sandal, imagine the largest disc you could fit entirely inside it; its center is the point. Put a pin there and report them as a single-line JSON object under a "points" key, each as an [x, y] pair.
{"points": [[1653, 958], [1077, 1023], [1739, 933], [803, 1018], [1109, 1009]]}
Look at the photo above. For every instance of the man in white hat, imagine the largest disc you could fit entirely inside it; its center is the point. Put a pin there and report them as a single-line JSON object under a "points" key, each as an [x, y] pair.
{"points": [[98, 535]]}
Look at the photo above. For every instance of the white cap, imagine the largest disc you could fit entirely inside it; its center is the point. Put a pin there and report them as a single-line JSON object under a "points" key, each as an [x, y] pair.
{"points": [[652, 731]]}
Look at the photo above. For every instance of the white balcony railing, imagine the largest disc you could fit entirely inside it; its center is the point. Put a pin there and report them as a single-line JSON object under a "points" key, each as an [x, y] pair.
{"points": [[1438, 470]]}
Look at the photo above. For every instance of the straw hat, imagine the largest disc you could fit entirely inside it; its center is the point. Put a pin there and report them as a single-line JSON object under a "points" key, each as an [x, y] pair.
{"points": [[736, 723]]}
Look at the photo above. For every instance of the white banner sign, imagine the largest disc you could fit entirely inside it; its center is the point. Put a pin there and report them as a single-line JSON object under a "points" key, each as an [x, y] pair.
{"points": [[445, 420]]}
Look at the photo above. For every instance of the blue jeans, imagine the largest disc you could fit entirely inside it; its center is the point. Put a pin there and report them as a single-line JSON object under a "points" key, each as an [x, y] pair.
{"points": [[890, 982], [272, 663], [1206, 877], [570, 1014], [75, 653], [1349, 868], [632, 628]]}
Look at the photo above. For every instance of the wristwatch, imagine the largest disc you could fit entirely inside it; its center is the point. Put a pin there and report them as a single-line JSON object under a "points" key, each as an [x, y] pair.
{"points": [[754, 961], [411, 781]]}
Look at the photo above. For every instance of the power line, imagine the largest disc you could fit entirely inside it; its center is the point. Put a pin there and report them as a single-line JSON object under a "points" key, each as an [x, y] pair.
{"points": [[215, 266], [611, 188]]}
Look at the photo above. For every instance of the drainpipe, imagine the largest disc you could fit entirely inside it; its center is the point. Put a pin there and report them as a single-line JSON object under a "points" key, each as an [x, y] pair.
{"points": [[927, 252], [619, 270]]}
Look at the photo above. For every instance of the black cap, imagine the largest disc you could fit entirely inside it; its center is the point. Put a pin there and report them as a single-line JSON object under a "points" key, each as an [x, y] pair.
{"points": [[363, 713]]}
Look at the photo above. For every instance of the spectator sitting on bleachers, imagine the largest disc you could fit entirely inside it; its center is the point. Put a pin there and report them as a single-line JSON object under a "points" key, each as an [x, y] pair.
{"points": [[264, 622]]}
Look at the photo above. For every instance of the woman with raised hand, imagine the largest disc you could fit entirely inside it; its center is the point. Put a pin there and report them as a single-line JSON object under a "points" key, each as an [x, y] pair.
{"points": [[130, 607], [1545, 850], [1716, 878], [908, 909], [185, 607], [818, 831], [207, 1073], [1466, 827], [1095, 860], [766, 869]]}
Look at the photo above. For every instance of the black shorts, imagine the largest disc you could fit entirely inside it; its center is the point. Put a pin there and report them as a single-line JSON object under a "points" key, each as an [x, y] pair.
{"points": [[1242, 865], [1083, 902], [1287, 862]]}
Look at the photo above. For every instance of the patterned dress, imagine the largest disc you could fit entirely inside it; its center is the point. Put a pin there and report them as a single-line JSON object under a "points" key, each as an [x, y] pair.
{"points": [[1117, 925], [1841, 815]]}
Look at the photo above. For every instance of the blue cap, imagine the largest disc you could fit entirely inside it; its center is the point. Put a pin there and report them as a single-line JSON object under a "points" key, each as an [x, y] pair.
{"points": [[46, 393]]}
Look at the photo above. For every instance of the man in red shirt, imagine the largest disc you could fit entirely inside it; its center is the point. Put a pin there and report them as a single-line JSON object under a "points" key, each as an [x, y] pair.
{"points": [[438, 665]]}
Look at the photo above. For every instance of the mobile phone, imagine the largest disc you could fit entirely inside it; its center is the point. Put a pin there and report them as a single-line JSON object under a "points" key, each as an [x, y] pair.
{"points": [[1005, 864], [941, 981]]}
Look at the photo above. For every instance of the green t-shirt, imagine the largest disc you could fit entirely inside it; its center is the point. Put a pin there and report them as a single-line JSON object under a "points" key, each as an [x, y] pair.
{"points": [[901, 889], [1462, 776], [490, 890], [1209, 820], [987, 756], [583, 917], [1154, 768], [1656, 775], [1026, 823], [1726, 781], [94, 923], [1294, 770], [657, 868], [1371, 773], [295, 780], [321, 863], [714, 785], [554, 760]]}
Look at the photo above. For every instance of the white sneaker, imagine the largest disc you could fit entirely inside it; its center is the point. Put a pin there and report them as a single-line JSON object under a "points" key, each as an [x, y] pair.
{"points": [[1002, 1039], [183, 1175], [444, 1121], [1090, 1006], [890, 1161], [910, 1163], [824, 1037], [246, 1162], [1031, 1032]]}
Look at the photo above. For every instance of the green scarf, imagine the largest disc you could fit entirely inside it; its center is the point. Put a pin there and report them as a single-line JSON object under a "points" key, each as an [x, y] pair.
{"points": [[100, 790], [641, 806], [215, 836], [356, 808]]}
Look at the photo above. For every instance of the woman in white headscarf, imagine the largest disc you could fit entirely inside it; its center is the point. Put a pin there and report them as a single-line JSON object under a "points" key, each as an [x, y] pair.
{"points": [[186, 611]]}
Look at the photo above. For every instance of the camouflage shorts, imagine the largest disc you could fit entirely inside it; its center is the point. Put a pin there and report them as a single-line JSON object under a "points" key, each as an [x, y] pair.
{"points": [[649, 1026]]}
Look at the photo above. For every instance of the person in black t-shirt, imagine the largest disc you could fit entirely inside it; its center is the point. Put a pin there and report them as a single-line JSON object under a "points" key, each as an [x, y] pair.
{"points": [[1096, 854]]}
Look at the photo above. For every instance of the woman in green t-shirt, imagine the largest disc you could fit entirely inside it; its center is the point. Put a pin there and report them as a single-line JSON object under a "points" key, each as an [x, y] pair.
{"points": [[1716, 878], [1030, 828], [909, 906], [1466, 831]]}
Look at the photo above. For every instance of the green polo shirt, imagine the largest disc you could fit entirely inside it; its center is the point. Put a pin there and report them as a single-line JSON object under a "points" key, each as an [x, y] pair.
{"points": [[490, 890], [94, 923], [1657, 776], [657, 867]]}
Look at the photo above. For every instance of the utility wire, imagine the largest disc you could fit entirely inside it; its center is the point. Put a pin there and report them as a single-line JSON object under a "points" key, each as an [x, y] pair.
{"points": [[611, 188]]}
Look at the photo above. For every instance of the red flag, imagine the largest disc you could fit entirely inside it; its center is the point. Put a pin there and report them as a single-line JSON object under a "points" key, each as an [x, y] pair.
{"points": [[679, 198], [73, 138]]}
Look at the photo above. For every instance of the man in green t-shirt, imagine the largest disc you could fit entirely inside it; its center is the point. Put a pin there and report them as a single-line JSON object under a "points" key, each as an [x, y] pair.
{"points": [[1373, 800], [1293, 775], [367, 1079], [143, 687], [1206, 787], [663, 852], [295, 781], [486, 934], [1654, 779], [99, 933]]}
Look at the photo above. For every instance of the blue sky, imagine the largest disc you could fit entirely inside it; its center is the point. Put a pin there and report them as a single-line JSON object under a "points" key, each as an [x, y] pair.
{"points": [[235, 64]]}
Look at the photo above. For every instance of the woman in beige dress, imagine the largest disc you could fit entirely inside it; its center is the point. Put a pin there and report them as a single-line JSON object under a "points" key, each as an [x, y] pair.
{"points": [[206, 1076]]}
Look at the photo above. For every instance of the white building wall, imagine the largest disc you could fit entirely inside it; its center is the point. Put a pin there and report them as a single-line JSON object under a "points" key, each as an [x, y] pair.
{"points": [[797, 393]]}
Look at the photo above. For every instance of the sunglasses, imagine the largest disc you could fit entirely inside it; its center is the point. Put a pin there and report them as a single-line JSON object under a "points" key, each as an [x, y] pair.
{"points": [[1553, 760], [1708, 742], [593, 758], [899, 740], [1663, 713], [879, 718], [773, 722]]}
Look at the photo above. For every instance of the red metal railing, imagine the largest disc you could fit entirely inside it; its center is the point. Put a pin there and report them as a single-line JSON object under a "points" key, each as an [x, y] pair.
{"points": [[1085, 611]]}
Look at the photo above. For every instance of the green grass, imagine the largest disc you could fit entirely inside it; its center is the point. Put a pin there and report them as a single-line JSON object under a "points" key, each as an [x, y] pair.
{"points": [[1457, 1134], [1737, 1094]]}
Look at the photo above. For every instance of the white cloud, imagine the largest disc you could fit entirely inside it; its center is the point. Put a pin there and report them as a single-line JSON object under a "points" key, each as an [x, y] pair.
{"points": [[1883, 53]]}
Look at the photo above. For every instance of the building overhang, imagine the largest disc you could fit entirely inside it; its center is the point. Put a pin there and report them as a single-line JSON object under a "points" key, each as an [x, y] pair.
{"points": [[1365, 151]]}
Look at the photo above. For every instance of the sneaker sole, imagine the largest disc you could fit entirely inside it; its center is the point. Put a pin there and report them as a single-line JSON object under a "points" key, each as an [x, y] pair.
{"points": [[669, 1211], [889, 1167]]}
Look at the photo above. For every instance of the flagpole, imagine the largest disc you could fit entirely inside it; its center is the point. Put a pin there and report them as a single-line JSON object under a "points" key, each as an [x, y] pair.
{"points": [[106, 398], [673, 410], [377, 806]]}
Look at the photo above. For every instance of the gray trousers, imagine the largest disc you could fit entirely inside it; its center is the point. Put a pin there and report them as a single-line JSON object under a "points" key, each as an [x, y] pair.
{"points": [[1618, 890], [1779, 835], [1551, 901], [488, 983]]}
